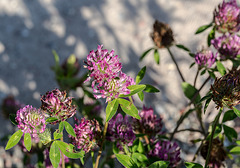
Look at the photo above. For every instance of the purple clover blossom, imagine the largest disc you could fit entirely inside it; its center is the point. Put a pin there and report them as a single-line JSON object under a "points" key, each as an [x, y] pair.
{"points": [[57, 105], [165, 150], [227, 17], [120, 131], [87, 134], [108, 79], [31, 120], [228, 46], [205, 58], [148, 124]]}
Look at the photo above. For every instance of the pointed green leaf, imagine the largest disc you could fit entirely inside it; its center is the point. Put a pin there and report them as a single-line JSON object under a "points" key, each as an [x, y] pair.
{"points": [[57, 135], [221, 68], [140, 159], [228, 116], [182, 47], [134, 89], [159, 164], [211, 36], [126, 161], [129, 108], [151, 89], [156, 56], [56, 57], [69, 129], [14, 139], [111, 109], [236, 111], [218, 130], [51, 119], [230, 133], [27, 141], [12, 118], [206, 104], [189, 91], [141, 95], [68, 151], [140, 75], [203, 28], [211, 74], [145, 53], [193, 165], [61, 126], [140, 147], [54, 155], [235, 150], [192, 65]]}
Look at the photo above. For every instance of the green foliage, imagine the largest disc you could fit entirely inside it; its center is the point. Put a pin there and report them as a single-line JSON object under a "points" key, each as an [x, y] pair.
{"points": [[111, 109], [67, 150], [140, 159], [129, 108], [236, 111], [230, 132], [61, 126], [228, 116], [235, 150], [193, 165], [134, 89], [145, 53], [126, 161], [203, 28], [69, 129], [57, 135], [189, 91], [27, 141], [54, 155], [12, 118], [51, 119], [159, 164], [221, 68], [182, 47], [211, 36], [140, 75], [150, 89], [156, 56], [14, 139]]}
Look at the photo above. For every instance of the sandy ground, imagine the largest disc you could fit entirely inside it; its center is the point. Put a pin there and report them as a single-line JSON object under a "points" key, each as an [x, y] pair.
{"points": [[30, 30]]}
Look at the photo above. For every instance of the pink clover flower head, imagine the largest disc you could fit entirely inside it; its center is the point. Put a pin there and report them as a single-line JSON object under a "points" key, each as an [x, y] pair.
{"points": [[227, 17], [31, 120], [120, 131], [88, 133], [105, 71], [56, 104], [228, 46], [148, 124], [167, 151], [205, 58]]}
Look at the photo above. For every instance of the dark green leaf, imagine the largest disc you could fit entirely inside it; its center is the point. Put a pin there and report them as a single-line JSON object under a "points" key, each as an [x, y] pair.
{"points": [[68, 151], [140, 75], [57, 135], [156, 56], [69, 129], [209, 95], [27, 141], [145, 53], [126, 161], [211, 74], [221, 68], [189, 91], [192, 65], [206, 104], [229, 115], [134, 89], [159, 164], [193, 165], [203, 28], [129, 108], [182, 47], [230, 132], [111, 109], [141, 95], [236, 111], [14, 139], [12, 118], [54, 155], [211, 36], [203, 72], [235, 150], [61, 126], [51, 119], [192, 55], [151, 89]]}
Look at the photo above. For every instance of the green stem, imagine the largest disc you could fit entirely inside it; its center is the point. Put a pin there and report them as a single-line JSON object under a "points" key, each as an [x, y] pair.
{"points": [[195, 79], [175, 62], [211, 138], [101, 147], [92, 155], [63, 161]]}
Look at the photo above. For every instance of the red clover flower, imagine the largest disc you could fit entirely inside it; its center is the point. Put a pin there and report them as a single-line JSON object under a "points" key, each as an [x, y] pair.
{"points": [[205, 58]]}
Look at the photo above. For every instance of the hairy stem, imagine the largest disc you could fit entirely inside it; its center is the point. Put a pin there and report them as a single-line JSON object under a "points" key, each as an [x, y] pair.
{"points": [[101, 147], [175, 62]]}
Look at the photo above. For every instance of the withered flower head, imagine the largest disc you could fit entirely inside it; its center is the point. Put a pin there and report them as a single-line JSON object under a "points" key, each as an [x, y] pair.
{"points": [[162, 35], [226, 89], [217, 154]]}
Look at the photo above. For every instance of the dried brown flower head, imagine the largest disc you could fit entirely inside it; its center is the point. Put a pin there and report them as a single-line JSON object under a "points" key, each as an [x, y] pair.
{"points": [[162, 35]]}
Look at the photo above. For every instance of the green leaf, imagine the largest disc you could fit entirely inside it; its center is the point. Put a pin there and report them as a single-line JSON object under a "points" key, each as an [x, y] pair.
{"points": [[211, 36], [229, 115], [238, 142], [182, 47], [134, 89], [145, 53], [140, 147], [151, 89], [156, 56], [54, 155], [51, 119], [203, 72], [235, 150], [111, 109], [230, 132], [12, 118], [203, 28], [140, 159], [56, 57], [209, 95], [61, 126], [206, 104], [69, 129], [14, 139], [218, 130], [57, 135], [189, 91], [192, 65], [129, 108], [68, 151], [140, 75], [193, 165], [211, 74], [159, 164], [141, 95], [27, 141], [221, 68], [126, 161], [236, 111]]}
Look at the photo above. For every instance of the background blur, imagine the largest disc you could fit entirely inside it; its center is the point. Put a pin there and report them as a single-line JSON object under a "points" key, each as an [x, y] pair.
{"points": [[31, 29]]}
